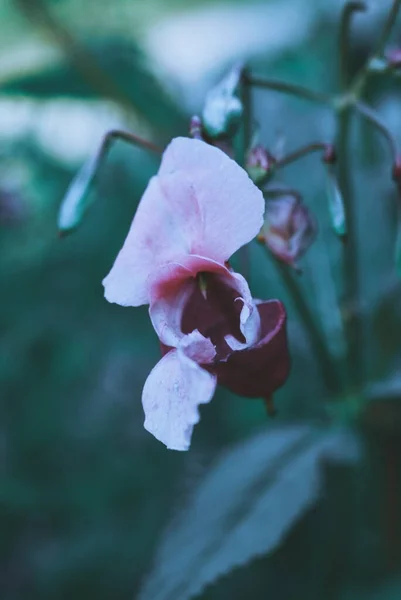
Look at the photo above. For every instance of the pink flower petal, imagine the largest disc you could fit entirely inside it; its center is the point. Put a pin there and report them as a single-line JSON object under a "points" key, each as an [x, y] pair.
{"points": [[169, 291], [200, 203], [171, 396], [156, 237], [249, 317], [230, 205], [198, 348]]}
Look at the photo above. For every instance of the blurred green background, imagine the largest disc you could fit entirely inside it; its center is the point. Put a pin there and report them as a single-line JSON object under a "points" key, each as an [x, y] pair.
{"points": [[88, 497]]}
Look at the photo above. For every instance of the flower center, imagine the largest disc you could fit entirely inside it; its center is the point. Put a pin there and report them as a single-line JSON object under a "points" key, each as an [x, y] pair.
{"points": [[213, 310]]}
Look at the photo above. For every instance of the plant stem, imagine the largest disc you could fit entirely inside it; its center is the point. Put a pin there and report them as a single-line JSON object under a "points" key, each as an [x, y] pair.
{"points": [[350, 301], [361, 78], [287, 88], [310, 323], [294, 156], [130, 138], [373, 118], [387, 29], [246, 98], [346, 17]]}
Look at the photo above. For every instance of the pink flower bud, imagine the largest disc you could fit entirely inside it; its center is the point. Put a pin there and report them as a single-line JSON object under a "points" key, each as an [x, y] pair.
{"points": [[289, 228], [259, 164], [195, 128]]}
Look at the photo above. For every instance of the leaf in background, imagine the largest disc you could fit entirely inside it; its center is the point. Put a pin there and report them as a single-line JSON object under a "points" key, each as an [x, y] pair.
{"points": [[121, 74], [243, 508], [390, 590]]}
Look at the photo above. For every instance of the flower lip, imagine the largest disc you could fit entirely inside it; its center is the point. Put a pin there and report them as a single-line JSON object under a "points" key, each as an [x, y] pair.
{"points": [[212, 308], [257, 371]]}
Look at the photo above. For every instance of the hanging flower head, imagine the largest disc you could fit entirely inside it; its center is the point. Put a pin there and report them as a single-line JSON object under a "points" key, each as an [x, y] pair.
{"points": [[195, 213]]}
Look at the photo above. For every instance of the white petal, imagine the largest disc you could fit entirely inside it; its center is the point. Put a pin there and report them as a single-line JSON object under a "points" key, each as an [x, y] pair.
{"points": [[171, 395]]}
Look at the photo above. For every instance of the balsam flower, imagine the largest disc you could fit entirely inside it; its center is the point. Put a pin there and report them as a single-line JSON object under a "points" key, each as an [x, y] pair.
{"points": [[195, 213]]}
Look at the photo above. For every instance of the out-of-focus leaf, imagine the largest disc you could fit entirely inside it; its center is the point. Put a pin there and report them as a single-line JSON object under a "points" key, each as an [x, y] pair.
{"points": [[243, 508], [390, 590], [121, 74]]}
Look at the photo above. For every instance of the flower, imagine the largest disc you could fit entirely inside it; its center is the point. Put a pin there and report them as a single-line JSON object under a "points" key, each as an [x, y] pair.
{"points": [[289, 228], [195, 213]]}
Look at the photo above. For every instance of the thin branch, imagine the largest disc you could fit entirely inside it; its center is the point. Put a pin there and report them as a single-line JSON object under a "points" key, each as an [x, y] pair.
{"points": [[350, 308], [361, 78], [373, 118], [304, 151], [288, 88], [345, 24], [310, 322], [387, 29]]}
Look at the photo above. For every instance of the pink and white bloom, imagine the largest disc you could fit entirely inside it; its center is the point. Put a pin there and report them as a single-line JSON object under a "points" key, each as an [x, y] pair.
{"points": [[196, 212]]}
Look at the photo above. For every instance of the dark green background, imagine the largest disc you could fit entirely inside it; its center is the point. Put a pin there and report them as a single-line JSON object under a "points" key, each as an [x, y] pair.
{"points": [[86, 492]]}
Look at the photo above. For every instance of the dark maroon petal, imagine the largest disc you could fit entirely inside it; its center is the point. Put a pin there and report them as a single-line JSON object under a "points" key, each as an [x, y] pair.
{"points": [[215, 316], [259, 370]]}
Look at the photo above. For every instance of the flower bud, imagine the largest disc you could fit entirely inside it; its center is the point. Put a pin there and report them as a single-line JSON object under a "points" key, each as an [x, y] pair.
{"points": [[223, 109], [289, 228], [77, 200], [336, 205], [259, 164], [195, 128]]}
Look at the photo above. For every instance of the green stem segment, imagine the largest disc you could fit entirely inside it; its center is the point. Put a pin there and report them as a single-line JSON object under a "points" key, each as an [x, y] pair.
{"points": [[387, 29], [317, 341], [373, 118], [327, 149], [130, 138], [287, 88], [345, 24], [361, 78], [350, 299]]}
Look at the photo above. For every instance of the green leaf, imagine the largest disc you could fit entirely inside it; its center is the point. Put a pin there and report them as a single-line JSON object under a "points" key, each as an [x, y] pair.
{"points": [[108, 69], [243, 508]]}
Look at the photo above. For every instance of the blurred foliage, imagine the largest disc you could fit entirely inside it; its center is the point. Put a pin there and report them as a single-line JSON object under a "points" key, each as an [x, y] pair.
{"points": [[88, 498]]}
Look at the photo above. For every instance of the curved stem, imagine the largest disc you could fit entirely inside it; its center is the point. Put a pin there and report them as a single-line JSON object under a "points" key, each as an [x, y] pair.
{"points": [[361, 78], [301, 152], [387, 28], [346, 17], [287, 88], [373, 118]]}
